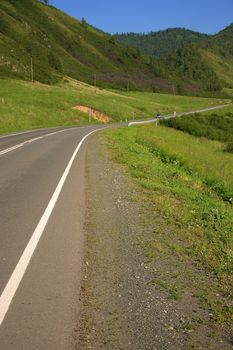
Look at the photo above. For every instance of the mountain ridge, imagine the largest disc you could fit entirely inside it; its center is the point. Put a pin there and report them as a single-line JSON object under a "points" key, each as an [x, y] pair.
{"points": [[160, 42]]}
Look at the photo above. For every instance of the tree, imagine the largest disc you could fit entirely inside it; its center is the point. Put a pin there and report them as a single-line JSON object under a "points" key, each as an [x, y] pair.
{"points": [[84, 22]]}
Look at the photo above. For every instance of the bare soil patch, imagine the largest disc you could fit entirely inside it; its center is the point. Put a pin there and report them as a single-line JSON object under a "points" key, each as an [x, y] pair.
{"points": [[103, 118]]}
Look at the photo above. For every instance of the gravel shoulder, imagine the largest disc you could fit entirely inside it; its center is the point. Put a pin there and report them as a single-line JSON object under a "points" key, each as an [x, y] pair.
{"points": [[137, 293]]}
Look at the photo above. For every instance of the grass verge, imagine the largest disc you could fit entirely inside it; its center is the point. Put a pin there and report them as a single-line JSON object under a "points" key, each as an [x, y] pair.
{"points": [[25, 105], [214, 126], [182, 179]]}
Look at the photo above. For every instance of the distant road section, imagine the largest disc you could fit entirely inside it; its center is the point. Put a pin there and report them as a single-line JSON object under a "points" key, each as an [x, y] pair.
{"points": [[153, 120]]}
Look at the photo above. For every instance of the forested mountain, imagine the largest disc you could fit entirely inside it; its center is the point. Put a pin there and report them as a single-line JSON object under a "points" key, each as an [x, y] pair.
{"points": [[162, 42], [208, 62], [41, 38]]}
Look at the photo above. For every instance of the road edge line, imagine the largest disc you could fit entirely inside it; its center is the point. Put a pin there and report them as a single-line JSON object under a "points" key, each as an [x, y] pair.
{"points": [[23, 263]]}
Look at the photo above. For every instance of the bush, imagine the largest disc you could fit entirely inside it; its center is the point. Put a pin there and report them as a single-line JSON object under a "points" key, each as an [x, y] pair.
{"points": [[229, 147], [213, 127]]}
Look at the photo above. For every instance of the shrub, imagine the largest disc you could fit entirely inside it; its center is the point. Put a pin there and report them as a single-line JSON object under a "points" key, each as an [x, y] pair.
{"points": [[229, 147], [213, 127]]}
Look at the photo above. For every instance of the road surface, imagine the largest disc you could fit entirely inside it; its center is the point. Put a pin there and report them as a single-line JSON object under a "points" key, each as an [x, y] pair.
{"points": [[39, 293]]}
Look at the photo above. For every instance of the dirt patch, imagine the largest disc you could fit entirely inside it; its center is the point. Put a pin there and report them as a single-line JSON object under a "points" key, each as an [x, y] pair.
{"points": [[139, 291], [103, 118]]}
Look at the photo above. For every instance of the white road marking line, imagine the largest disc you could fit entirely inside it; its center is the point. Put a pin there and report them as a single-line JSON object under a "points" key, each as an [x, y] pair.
{"points": [[19, 271], [34, 130], [23, 133], [11, 149], [30, 141], [19, 133]]}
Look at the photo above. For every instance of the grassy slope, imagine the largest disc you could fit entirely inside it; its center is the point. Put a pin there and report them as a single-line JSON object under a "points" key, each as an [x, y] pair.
{"points": [[217, 52], [213, 125], [24, 105], [208, 62], [177, 173], [229, 92], [223, 67], [61, 45]]}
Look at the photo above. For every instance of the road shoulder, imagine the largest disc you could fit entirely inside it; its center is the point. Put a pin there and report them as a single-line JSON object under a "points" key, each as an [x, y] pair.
{"points": [[136, 292]]}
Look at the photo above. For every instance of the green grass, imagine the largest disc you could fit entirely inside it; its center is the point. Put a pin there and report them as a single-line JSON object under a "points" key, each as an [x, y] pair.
{"points": [[167, 103], [216, 125], [212, 126], [229, 92], [24, 105], [222, 66], [184, 178]]}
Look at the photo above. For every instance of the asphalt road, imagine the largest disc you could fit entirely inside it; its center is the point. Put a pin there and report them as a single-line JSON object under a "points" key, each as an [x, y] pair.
{"points": [[39, 298], [44, 307]]}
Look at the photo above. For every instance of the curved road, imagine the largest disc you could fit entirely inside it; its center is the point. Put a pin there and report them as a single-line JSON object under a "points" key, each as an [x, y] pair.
{"points": [[39, 293], [42, 208]]}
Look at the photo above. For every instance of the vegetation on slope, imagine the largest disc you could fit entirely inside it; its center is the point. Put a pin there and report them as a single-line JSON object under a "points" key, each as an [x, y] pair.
{"points": [[214, 126], [187, 57], [218, 54], [162, 42], [26, 105], [40, 42], [188, 63], [209, 61], [33, 35], [179, 177]]}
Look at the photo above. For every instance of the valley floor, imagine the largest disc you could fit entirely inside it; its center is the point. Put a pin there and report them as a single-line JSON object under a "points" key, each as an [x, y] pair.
{"points": [[137, 293]]}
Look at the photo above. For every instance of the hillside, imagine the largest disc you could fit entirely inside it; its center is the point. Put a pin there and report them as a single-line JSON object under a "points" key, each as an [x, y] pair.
{"points": [[40, 42], [188, 57], [218, 52], [209, 61], [60, 45], [187, 64], [161, 42]]}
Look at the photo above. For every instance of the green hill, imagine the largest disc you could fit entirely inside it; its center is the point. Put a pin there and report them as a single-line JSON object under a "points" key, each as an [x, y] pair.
{"points": [[60, 45], [218, 53], [209, 61], [188, 65], [201, 61], [162, 42]]}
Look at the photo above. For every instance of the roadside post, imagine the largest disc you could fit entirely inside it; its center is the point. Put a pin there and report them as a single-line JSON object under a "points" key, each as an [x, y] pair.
{"points": [[95, 83], [32, 71], [90, 114]]}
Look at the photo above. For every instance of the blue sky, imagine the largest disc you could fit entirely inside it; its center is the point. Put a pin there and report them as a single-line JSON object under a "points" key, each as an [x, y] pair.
{"points": [[207, 16]]}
